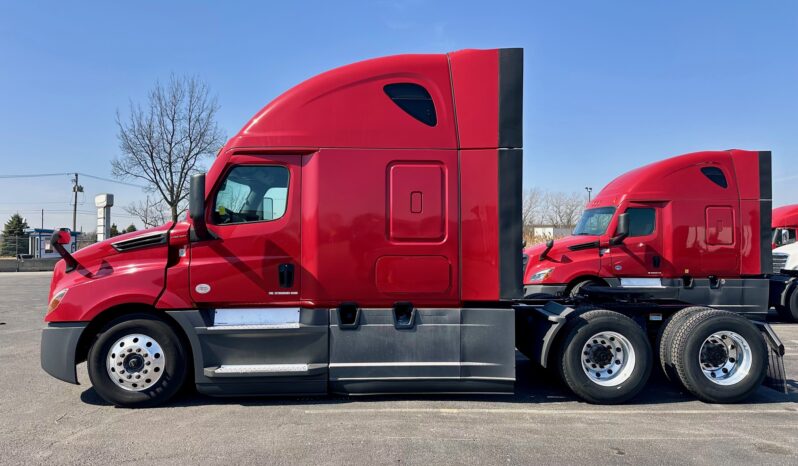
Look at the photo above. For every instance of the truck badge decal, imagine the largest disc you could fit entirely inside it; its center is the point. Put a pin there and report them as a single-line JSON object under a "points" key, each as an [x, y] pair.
{"points": [[202, 288]]}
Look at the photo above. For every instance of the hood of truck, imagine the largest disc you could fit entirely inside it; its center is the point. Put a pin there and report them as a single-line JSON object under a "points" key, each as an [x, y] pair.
{"points": [[558, 256], [129, 265]]}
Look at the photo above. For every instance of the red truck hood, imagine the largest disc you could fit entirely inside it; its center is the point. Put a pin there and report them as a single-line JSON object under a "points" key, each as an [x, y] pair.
{"points": [[558, 253], [100, 259], [560, 246]]}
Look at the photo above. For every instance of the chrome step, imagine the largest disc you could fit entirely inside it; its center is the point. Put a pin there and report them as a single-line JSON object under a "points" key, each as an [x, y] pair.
{"points": [[262, 370], [221, 328]]}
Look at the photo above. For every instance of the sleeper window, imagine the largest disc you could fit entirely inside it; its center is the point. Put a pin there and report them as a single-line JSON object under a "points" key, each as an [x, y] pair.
{"points": [[251, 194]]}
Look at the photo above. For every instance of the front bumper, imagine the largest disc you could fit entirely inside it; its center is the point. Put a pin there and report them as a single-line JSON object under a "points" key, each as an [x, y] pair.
{"points": [[59, 344], [532, 291]]}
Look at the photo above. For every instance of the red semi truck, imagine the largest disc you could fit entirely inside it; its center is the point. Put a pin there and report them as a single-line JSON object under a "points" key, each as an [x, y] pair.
{"points": [[360, 235], [785, 225], [700, 219]]}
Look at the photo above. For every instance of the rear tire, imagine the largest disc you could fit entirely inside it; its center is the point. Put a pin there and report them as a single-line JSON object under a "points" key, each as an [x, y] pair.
{"points": [[137, 361], [665, 340], [604, 357], [720, 357]]}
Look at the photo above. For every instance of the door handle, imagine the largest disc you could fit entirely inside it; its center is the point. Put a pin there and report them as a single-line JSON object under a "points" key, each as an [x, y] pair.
{"points": [[285, 274]]}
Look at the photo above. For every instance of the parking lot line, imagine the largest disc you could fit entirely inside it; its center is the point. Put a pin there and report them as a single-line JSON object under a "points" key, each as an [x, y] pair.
{"points": [[558, 412]]}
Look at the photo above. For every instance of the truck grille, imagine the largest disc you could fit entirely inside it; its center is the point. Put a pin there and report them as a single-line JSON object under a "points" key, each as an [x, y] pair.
{"points": [[779, 261]]}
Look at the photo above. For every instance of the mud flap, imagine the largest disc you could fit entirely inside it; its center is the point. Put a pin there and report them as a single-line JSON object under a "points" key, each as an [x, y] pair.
{"points": [[776, 377]]}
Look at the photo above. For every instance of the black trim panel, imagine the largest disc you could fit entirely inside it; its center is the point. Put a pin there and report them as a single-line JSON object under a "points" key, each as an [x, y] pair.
{"points": [[510, 229], [765, 212], [511, 97]]}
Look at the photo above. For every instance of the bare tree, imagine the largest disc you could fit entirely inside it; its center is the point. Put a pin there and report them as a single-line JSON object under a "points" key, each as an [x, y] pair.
{"points": [[563, 209], [533, 209], [163, 142], [151, 212]]}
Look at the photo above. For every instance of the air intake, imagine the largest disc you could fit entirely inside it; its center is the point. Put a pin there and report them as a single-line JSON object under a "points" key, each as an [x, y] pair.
{"points": [[143, 241]]}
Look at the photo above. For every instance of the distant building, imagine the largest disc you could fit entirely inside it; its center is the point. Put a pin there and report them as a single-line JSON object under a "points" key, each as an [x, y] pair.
{"points": [[39, 243]]}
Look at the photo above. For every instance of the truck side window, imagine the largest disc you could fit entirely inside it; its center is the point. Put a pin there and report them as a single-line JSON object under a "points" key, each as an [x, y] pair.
{"points": [[251, 193], [715, 175], [641, 221], [413, 99]]}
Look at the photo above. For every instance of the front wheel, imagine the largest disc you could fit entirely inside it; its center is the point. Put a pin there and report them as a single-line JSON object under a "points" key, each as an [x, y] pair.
{"points": [[576, 289], [720, 357], [137, 361], [789, 313], [605, 357]]}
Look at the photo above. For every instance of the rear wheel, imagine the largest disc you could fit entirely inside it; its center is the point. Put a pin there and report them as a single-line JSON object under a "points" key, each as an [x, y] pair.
{"points": [[720, 357], [604, 357], [137, 361], [665, 340]]}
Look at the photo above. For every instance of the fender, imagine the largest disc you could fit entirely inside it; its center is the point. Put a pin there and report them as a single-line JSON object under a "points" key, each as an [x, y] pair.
{"points": [[545, 324], [85, 300]]}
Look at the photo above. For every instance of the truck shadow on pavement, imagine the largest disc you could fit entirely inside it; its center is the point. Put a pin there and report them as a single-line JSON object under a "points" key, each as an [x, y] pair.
{"points": [[533, 385]]}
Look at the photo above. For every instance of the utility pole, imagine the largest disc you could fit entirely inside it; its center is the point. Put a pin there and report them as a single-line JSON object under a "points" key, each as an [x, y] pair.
{"points": [[42, 219], [589, 191], [76, 188]]}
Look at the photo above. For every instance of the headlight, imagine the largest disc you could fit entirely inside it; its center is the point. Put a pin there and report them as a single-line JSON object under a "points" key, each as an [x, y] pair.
{"points": [[540, 275], [56, 300]]}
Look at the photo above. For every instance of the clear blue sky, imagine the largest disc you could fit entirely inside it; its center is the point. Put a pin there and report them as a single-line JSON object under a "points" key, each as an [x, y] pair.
{"points": [[609, 85]]}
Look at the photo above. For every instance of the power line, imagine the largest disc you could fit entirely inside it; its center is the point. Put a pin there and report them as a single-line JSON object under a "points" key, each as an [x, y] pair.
{"points": [[100, 178], [112, 181], [38, 175]]}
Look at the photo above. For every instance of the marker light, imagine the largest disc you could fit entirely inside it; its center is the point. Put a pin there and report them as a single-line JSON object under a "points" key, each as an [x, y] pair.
{"points": [[541, 275], [56, 300]]}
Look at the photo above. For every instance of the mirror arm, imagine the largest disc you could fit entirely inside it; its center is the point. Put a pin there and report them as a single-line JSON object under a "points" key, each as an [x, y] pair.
{"points": [[71, 262]]}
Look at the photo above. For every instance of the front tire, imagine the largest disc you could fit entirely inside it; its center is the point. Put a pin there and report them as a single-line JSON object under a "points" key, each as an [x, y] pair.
{"points": [[720, 357], [577, 288], [605, 357], [137, 361], [789, 313]]}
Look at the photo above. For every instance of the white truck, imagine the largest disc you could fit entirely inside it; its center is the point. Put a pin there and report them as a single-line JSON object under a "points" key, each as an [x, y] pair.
{"points": [[784, 284]]}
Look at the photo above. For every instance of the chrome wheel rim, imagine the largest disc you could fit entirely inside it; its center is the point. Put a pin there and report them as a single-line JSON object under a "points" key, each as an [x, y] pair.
{"points": [[135, 362], [608, 359], [725, 358]]}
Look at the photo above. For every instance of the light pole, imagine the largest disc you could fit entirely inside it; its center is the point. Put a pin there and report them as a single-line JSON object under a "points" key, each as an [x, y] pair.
{"points": [[589, 191]]}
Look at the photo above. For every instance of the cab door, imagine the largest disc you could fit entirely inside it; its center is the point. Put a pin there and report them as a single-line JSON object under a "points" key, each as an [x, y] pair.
{"points": [[253, 211], [640, 254]]}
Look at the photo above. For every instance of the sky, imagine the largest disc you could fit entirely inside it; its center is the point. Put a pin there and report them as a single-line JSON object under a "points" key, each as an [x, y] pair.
{"points": [[609, 85]]}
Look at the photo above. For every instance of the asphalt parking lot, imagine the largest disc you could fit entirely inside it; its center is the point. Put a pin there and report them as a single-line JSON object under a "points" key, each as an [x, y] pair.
{"points": [[48, 421]]}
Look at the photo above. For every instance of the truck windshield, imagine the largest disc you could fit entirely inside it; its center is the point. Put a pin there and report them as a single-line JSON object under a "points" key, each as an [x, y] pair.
{"points": [[594, 221]]}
